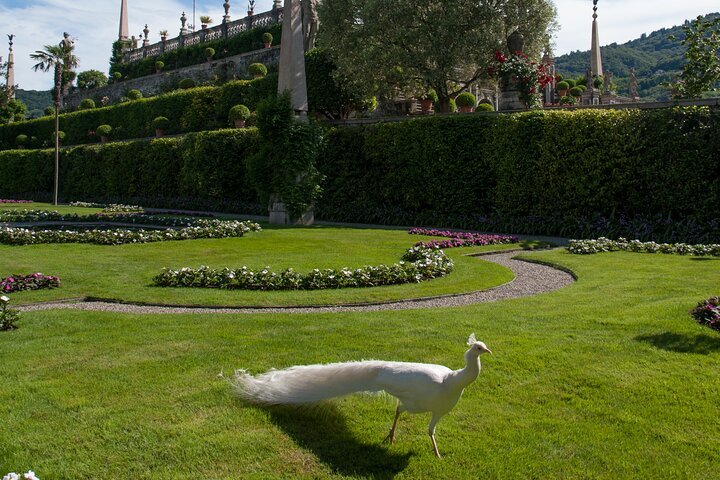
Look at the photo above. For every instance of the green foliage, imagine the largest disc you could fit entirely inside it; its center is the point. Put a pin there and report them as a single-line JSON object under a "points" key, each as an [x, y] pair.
{"points": [[205, 19], [285, 167], [484, 107], [161, 123], [570, 82], [465, 99], [187, 83], [103, 130], [328, 95], [576, 91], [267, 37], [21, 140], [209, 53], [117, 76], [8, 316], [90, 79], [87, 104], [701, 73], [12, 111], [159, 65], [239, 112], [195, 54], [134, 94], [257, 70], [36, 101], [563, 85], [133, 119], [49, 111]]}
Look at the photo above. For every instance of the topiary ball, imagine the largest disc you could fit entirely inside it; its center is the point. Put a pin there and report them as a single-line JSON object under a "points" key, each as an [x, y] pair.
{"points": [[161, 123], [239, 112], [87, 104], [21, 140], [134, 94], [104, 130], [484, 107], [576, 92], [257, 70], [187, 83], [465, 99]]}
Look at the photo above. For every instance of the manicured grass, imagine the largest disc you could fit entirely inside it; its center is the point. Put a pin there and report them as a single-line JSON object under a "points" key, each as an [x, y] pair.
{"points": [[607, 378], [64, 209], [125, 272]]}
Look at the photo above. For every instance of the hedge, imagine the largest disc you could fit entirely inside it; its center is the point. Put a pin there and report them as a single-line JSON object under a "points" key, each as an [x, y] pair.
{"points": [[203, 108], [646, 174], [195, 54]]}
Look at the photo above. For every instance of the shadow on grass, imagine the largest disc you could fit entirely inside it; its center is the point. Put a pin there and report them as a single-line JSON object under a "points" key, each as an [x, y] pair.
{"points": [[675, 342], [323, 431], [704, 259]]}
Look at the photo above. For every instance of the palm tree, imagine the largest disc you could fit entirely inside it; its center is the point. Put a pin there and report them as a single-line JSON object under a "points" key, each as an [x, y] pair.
{"points": [[60, 58]]}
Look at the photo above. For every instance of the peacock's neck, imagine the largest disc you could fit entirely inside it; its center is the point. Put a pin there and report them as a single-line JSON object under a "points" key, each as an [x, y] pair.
{"points": [[471, 371]]}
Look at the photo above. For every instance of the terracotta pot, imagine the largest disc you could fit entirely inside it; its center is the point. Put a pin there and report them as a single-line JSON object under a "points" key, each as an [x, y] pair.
{"points": [[465, 109], [562, 93], [239, 123], [268, 45], [104, 139], [159, 132], [426, 105]]}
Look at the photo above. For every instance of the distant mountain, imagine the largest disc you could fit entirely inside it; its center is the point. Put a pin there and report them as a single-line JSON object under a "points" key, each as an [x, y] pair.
{"points": [[655, 59], [36, 101]]}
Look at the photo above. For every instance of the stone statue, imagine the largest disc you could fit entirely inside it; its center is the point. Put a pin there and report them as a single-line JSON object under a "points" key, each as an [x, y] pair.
{"points": [[589, 81], [633, 85], [607, 81], [11, 37], [311, 22]]}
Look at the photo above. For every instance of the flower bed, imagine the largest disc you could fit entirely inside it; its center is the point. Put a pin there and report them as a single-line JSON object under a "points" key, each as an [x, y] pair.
{"points": [[459, 239], [33, 281], [602, 244], [5, 200], [200, 229], [418, 264], [134, 218], [707, 313]]}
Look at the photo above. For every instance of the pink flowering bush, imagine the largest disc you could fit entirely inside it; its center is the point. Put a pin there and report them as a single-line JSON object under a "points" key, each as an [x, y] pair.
{"points": [[34, 281], [529, 77], [707, 313], [459, 239], [5, 200]]}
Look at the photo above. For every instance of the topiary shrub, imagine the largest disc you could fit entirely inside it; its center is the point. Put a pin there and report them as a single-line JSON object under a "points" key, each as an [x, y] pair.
{"points": [[160, 124], [267, 39], [87, 104], [187, 83], [21, 141], [238, 115], [576, 92], [103, 131], [465, 101], [453, 106], [570, 82], [159, 65], [209, 53], [484, 107], [563, 85], [567, 100], [117, 76], [257, 70], [134, 94]]}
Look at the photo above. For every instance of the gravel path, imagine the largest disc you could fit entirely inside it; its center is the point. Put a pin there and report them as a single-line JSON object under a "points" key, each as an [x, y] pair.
{"points": [[530, 279]]}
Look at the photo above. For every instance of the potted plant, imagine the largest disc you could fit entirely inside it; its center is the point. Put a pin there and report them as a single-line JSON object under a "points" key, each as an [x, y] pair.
{"points": [[484, 106], [21, 141], [103, 131], [61, 137], [160, 124], [87, 104], [159, 66], [576, 92], [134, 94], [209, 53], [562, 88], [257, 70], [204, 20], [465, 102], [427, 100], [238, 115], [267, 39]]}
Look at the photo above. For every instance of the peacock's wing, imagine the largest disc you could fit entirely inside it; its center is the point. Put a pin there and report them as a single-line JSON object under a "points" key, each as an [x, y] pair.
{"points": [[416, 385]]}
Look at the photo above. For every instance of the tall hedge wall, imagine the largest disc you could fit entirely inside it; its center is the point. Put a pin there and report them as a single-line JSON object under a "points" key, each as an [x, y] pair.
{"points": [[576, 173], [197, 109]]}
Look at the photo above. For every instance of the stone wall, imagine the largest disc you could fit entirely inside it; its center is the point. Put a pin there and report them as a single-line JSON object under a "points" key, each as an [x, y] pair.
{"points": [[230, 68]]}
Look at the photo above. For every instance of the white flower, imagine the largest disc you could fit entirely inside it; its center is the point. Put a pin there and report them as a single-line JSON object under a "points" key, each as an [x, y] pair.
{"points": [[30, 476], [4, 300], [11, 476]]}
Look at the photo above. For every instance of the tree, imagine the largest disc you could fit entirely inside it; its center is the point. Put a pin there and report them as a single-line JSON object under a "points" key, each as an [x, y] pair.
{"points": [[411, 46], [90, 79], [11, 110], [701, 73], [59, 58]]}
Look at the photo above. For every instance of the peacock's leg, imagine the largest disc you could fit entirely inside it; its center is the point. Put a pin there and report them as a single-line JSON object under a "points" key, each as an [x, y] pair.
{"points": [[431, 432], [391, 436]]}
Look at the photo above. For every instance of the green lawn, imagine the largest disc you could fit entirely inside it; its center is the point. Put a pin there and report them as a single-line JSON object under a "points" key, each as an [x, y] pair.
{"points": [[607, 378], [64, 209], [125, 272]]}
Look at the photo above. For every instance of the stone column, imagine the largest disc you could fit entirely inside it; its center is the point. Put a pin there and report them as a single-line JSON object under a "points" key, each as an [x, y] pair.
{"points": [[292, 58], [124, 30], [595, 55], [10, 84], [183, 29]]}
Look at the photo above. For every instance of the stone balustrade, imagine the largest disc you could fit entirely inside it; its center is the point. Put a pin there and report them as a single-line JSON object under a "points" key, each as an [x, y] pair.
{"points": [[226, 29]]}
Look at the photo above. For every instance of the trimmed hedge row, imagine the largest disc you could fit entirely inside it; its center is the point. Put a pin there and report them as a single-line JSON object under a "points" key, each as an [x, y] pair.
{"points": [[197, 109], [649, 174], [205, 167], [195, 54]]}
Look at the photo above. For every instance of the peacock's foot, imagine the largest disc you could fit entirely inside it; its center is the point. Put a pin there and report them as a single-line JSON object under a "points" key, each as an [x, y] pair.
{"points": [[390, 438]]}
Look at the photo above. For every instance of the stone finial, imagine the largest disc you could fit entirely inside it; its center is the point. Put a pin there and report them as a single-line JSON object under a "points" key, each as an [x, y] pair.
{"points": [[277, 4], [633, 85], [226, 6], [146, 32], [183, 24], [515, 42], [10, 81], [595, 54], [251, 8]]}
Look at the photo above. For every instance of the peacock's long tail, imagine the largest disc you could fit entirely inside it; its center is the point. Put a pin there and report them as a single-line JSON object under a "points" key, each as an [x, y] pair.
{"points": [[307, 383]]}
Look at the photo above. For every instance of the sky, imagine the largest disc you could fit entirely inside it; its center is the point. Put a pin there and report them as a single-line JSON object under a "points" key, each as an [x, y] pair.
{"points": [[95, 23]]}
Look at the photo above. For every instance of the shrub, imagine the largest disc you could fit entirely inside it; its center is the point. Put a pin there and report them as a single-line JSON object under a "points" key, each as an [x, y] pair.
{"points": [[465, 99], [707, 313], [103, 130], [159, 65], [576, 92], [581, 86], [87, 104], [23, 283], [117, 76], [134, 94], [453, 106], [267, 37], [49, 111], [61, 136], [563, 85], [570, 82], [8, 316], [187, 83], [239, 112], [204, 19], [257, 70], [21, 140], [484, 107], [567, 100], [430, 95], [161, 123], [209, 52], [598, 82]]}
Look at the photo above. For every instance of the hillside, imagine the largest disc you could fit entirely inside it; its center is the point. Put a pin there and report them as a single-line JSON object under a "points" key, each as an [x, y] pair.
{"points": [[35, 100], [655, 59]]}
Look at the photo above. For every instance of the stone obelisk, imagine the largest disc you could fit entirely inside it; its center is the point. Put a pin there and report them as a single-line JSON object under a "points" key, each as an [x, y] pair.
{"points": [[124, 30], [292, 58], [595, 56], [11, 70]]}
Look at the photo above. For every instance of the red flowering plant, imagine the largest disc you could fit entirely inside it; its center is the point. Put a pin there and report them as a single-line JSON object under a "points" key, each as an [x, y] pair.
{"points": [[529, 77]]}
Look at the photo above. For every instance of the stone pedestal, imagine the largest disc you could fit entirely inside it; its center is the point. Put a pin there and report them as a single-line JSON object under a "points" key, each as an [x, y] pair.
{"points": [[509, 99], [280, 216]]}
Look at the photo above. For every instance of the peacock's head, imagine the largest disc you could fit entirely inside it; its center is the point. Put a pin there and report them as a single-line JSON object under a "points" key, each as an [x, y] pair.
{"points": [[476, 346]]}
